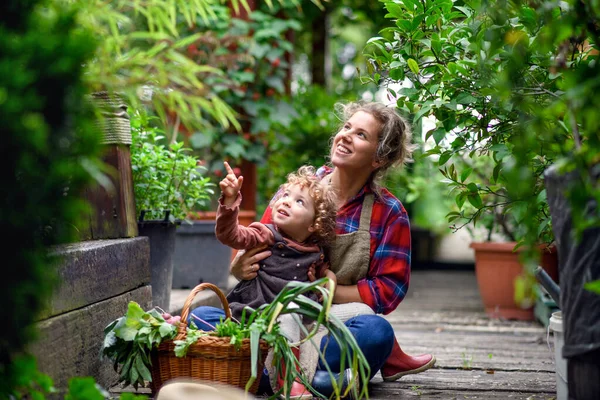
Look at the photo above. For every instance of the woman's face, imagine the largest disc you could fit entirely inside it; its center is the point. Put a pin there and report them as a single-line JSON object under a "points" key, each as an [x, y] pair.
{"points": [[355, 145]]}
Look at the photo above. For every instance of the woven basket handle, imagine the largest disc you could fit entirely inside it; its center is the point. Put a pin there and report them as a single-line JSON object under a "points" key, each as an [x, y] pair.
{"points": [[185, 312]]}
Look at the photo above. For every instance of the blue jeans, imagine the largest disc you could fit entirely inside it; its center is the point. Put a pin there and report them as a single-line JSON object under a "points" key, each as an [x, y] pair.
{"points": [[374, 335]]}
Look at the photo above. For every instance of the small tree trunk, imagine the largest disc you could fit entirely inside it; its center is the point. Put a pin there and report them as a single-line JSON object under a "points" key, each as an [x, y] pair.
{"points": [[320, 50]]}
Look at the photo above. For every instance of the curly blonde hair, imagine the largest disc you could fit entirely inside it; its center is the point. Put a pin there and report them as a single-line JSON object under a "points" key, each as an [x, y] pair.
{"points": [[324, 202]]}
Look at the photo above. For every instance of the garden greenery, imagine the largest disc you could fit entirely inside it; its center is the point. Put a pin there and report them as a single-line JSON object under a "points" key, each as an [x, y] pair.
{"points": [[50, 150], [252, 56], [141, 55], [513, 82], [166, 176]]}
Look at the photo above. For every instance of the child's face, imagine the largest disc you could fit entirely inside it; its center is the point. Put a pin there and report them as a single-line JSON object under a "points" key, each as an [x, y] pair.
{"points": [[294, 213]]}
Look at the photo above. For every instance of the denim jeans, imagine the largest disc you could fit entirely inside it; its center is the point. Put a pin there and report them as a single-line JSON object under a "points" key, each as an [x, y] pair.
{"points": [[374, 335]]}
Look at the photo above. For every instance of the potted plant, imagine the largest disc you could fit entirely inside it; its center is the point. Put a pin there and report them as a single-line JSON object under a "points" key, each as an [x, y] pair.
{"points": [[168, 182], [507, 289], [141, 344]]}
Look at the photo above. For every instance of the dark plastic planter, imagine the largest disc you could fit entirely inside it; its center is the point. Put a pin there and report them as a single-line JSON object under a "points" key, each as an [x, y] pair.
{"points": [[578, 263], [161, 235], [199, 256]]}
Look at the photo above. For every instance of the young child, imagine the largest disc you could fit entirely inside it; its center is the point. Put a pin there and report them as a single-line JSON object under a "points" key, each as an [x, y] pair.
{"points": [[304, 212]]}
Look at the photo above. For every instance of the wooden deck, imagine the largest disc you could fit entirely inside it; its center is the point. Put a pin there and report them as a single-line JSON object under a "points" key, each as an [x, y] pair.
{"points": [[477, 358]]}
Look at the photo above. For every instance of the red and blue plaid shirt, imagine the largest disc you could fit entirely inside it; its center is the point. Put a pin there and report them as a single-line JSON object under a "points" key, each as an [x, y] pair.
{"points": [[388, 276]]}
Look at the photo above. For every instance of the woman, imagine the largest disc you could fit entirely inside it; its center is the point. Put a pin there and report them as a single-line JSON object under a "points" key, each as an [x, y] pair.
{"points": [[371, 256]]}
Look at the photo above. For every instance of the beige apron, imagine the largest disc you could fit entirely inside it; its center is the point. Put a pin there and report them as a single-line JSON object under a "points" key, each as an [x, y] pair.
{"points": [[349, 260], [350, 256]]}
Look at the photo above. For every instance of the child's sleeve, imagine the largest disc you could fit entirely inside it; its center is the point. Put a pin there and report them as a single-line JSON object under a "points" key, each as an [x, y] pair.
{"points": [[232, 234]]}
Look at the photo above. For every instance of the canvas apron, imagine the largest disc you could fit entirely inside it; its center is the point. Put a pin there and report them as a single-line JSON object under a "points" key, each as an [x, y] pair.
{"points": [[349, 259]]}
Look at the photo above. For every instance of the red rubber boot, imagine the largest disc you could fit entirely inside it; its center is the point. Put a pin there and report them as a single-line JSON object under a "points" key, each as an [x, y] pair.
{"points": [[399, 364], [298, 390]]}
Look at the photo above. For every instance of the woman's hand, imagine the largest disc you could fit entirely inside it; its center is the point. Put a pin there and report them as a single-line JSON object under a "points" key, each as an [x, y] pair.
{"points": [[245, 264], [312, 271], [329, 274], [326, 274]]}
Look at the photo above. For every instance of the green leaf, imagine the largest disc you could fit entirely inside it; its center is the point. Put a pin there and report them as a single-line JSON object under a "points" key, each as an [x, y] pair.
{"points": [[444, 157], [413, 65], [452, 68], [593, 286], [127, 333], [84, 389], [465, 10], [394, 10], [375, 39], [397, 74], [425, 110], [438, 135], [496, 172], [465, 98], [436, 46], [465, 174], [543, 225], [460, 199], [475, 200], [541, 197], [142, 369], [166, 329]]}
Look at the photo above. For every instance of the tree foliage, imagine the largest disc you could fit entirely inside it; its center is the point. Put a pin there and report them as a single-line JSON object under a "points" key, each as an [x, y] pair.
{"points": [[513, 82], [49, 153]]}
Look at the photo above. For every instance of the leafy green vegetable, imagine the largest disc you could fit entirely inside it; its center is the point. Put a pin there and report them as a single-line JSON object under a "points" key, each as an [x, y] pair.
{"points": [[593, 286], [129, 340], [182, 346]]}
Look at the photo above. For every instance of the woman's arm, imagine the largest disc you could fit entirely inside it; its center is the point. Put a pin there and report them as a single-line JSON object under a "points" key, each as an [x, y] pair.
{"points": [[346, 294]]}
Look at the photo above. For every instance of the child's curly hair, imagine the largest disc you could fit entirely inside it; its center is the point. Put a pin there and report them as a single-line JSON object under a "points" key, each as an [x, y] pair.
{"points": [[324, 201]]}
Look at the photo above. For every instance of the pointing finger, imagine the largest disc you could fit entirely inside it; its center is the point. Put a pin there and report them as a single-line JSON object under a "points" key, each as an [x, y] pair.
{"points": [[228, 168]]}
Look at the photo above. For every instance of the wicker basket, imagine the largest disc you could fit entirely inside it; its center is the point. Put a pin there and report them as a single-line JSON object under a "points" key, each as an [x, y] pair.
{"points": [[211, 358]]}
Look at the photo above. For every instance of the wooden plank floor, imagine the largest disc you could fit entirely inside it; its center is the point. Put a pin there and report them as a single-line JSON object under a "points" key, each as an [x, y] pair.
{"points": [[477, 357]]}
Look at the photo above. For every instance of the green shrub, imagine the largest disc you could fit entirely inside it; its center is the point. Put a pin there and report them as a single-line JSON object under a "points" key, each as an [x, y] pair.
{"points": [[49, 154], [165, 176]]}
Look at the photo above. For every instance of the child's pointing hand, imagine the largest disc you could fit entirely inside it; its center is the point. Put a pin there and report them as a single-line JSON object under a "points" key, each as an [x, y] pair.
{"points": [[230, 185]]}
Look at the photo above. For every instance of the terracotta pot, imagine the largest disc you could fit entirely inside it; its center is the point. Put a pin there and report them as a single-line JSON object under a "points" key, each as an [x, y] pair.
{"points": [[497, 267]]}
